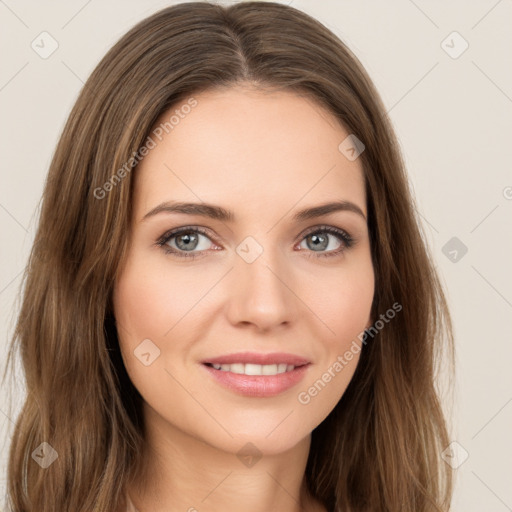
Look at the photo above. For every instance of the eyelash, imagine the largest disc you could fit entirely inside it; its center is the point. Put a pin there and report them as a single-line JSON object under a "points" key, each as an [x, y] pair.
{"points": [[342, 235]]}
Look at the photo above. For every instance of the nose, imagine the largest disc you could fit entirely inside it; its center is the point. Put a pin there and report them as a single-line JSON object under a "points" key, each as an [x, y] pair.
{"points": [[262, 294]]}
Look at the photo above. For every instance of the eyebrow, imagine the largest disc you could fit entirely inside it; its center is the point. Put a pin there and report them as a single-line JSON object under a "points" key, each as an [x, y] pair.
{"points": [[219, 213]]}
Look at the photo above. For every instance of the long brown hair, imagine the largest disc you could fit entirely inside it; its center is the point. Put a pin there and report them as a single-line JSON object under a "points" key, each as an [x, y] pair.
{"points": [[379, 449]]}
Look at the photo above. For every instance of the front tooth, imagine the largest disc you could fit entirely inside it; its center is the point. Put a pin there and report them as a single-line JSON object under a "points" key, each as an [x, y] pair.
{"points": [[253, 369], [269, 369], [237, 368]]}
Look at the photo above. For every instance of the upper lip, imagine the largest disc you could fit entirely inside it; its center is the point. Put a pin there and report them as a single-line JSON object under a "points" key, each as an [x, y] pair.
{"points": [[258, 358]]}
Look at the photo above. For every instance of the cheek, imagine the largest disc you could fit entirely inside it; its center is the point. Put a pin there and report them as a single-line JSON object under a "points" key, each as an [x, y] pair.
{"points": [[143, 309], [343, 303], [149, 302], [157, 312], [348, 310]]}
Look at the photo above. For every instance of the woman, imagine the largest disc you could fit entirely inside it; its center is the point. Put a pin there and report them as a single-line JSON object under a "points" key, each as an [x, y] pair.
{"points": [[229, 304]]}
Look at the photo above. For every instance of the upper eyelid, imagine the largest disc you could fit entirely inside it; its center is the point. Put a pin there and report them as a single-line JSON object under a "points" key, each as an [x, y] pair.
{"points": [[171, 233]]}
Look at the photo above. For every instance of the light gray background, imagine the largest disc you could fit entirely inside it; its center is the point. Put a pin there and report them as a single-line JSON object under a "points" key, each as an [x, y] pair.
{"points": [[453, 117]]}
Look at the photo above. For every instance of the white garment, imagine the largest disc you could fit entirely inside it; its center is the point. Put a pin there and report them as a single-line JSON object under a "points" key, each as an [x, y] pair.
{"points": [[130, 507]]}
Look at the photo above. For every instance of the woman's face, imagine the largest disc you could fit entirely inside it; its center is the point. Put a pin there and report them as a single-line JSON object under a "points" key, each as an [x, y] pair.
{"points": [[263, 290]]}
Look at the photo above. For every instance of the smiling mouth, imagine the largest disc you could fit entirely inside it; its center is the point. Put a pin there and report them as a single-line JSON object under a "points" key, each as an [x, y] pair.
{"points": [[255, 369]]}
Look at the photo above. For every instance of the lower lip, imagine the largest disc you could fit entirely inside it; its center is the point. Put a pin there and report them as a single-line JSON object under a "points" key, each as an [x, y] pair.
{"points": [[258, 385]]}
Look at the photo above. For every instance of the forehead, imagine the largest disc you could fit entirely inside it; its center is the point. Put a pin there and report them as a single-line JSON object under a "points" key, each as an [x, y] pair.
{"points": [[249, 149]]}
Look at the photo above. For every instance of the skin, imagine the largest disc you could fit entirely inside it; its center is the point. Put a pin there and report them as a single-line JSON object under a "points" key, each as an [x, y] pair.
{"points": [[265, 156]]}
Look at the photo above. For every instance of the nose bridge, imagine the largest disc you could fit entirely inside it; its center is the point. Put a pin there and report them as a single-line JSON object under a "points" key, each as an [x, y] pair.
{"points": [[261, 293]]}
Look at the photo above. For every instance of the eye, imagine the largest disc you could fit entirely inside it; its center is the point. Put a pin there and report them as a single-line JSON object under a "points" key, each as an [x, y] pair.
{"points": [[184, 240], [319, 238]]}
